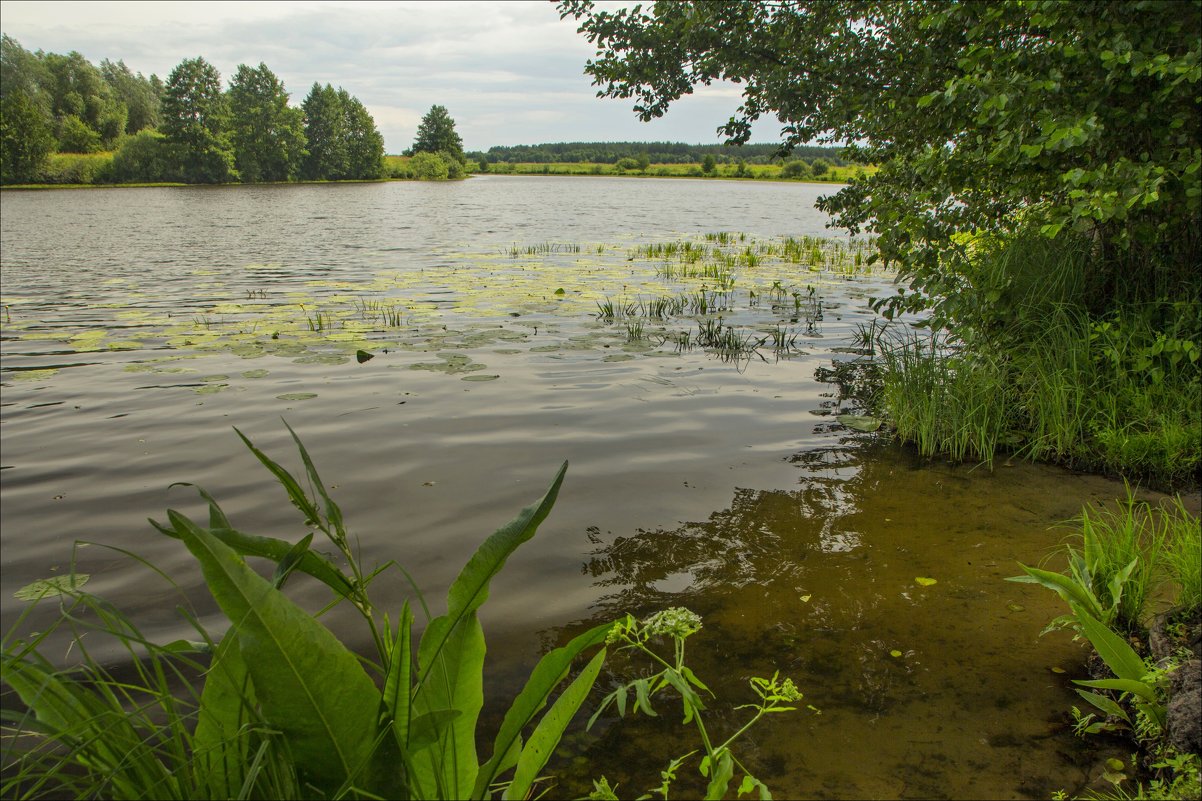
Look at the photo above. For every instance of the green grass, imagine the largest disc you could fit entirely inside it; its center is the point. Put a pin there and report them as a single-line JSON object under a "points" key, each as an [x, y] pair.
{"points": [[723, 171], [1034, 363]]}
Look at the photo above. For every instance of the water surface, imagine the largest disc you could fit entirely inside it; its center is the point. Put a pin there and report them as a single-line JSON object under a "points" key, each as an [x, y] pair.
{"points": [[141, 325]]}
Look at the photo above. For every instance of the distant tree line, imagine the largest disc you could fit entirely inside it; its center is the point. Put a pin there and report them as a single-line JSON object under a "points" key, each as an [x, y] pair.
{"points": [[187, 129], [653, 152]]}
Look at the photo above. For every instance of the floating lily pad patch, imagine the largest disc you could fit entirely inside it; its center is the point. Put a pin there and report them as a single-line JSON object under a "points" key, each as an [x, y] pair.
{"points": [[55, 585], [33, 375], [480, 377], [862, 423], [451, 364], [256, 373], [296, 396]]}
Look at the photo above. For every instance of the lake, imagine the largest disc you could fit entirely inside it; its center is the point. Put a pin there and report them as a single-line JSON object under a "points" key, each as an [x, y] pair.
{"points": [[140, 326]]}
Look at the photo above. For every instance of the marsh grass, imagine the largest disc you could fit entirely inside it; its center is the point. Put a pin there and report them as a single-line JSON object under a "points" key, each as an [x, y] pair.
{"points": [[1130, 540], [1182, 554], [942, 400], [1052, 393]]}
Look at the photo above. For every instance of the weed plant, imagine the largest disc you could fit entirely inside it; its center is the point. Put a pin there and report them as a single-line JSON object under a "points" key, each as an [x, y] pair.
{"points": [[279, 708]]}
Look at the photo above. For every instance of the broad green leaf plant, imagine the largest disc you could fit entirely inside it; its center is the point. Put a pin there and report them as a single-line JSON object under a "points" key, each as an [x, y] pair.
{"points": [[283, 708]]}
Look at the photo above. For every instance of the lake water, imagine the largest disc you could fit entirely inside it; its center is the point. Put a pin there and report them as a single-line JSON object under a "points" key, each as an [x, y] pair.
{"points": [[141, 325]]}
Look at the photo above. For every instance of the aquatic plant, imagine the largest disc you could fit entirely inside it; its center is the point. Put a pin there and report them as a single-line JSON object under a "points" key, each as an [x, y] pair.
{"points": [[719, 764], [284, 709]]}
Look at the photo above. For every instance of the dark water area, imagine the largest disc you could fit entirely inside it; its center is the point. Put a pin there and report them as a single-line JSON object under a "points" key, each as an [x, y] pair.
{"points": [[139, 326]]}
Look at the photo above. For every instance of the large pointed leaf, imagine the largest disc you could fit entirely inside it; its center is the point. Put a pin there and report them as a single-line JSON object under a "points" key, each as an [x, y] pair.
{"points": [[276, 550], [545, 677], [398, 683], [308, 684], [546, 735], [1136, 688], [1062, 585], [453, 666], [1118, 655], [470, 588], [221, 745], [1104, 703], [451, 658]]}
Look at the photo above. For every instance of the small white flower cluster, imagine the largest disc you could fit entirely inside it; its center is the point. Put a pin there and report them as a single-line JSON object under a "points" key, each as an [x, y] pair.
{"points": [[676, 621]]}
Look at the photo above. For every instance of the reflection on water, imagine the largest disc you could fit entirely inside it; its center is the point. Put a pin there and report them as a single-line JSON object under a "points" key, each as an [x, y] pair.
{"points": [[938, 691]]}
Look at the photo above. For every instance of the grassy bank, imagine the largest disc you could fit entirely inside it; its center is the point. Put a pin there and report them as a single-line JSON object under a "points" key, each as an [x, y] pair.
{"points": [[1037, 360], [772, 172], [76, 170]]}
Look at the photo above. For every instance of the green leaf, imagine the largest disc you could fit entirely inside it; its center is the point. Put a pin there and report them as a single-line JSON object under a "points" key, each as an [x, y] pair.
{"points": [[545, 677], [398, 681], [291, 559], [643, 698], [470, 589], [692, 701], [1136, 688], [550, 729], [1118, 655], [451, 657], [451, 663], [1105, 704], [309, 686], [721, 777], [310, 563], [220, 745], [859, 422], [1065, 587]]}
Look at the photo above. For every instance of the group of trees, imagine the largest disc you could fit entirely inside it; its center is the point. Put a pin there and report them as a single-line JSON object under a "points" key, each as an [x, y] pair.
{"points": [[1065, 119], [186, 129], [654, 152]]}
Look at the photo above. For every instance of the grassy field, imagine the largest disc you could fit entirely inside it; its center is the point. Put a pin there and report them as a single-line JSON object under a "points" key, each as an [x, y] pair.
{"points": [[729, 171]]}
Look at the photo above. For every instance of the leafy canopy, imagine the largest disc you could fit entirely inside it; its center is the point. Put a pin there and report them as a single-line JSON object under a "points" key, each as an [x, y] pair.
{"points": [[268, 135], [436, 134], [196, 121], [984, 117]]}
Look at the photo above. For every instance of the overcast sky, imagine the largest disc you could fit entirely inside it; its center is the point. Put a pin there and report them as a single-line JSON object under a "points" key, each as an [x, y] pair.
{"points": [[509, 72]]}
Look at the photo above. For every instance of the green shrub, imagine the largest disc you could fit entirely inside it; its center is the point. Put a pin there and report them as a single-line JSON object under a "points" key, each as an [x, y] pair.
{"points": [[796, 169], [75, 168], [145, 157], [74, 136], [428, 167]]}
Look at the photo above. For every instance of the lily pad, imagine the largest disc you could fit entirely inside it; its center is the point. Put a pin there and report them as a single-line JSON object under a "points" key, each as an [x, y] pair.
{"points": [[55, 585], [924, 581], [896, 654], [291, 396], [479, 377], [256, 373], [857, 422]]}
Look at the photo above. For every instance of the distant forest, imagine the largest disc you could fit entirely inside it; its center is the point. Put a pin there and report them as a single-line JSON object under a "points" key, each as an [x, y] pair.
{"points": [[655, 152]]}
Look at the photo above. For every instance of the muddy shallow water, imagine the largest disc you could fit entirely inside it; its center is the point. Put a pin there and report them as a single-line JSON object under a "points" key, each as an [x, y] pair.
{"points": [[141, 325]]}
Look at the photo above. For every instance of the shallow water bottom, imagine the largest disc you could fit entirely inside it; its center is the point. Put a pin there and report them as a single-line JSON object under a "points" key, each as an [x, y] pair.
{"points": [[939, 688]]}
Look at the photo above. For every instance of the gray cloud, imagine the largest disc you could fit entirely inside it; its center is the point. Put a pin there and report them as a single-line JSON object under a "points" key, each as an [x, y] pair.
{"points": [[509, 72]]}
